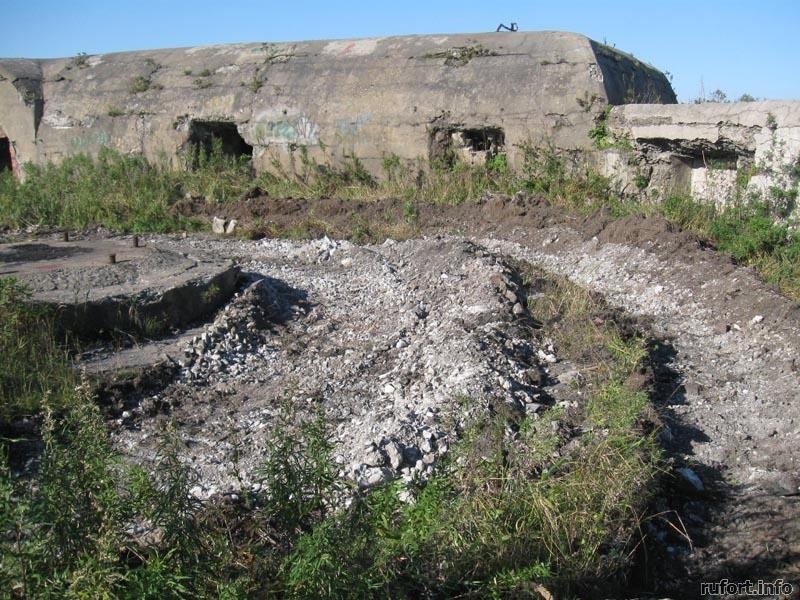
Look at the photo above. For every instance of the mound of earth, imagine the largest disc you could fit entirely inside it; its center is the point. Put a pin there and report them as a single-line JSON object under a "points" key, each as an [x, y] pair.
{"points": [[382, 339]]}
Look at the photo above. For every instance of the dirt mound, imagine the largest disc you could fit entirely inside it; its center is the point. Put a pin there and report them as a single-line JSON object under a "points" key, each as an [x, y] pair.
{"points": [[382, 337]]}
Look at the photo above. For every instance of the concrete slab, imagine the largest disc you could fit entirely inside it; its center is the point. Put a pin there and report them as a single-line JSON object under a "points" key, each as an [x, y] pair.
{"points": [[112, 285]]}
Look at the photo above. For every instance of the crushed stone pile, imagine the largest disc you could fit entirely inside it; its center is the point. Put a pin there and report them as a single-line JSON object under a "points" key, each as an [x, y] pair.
{"points": [[400, 346]]}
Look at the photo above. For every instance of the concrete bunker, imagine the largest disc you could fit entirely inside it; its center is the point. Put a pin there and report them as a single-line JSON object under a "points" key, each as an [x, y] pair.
{"points": [[473, 144], [207, 138], [710, 172]]}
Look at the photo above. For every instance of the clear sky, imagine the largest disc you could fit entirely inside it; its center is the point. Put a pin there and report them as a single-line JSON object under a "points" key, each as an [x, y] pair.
{"points": [[736, 46]]}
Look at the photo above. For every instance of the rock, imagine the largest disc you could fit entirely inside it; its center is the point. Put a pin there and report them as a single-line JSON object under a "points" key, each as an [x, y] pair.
{"points": [[547, 357], [395, 455], [498, 282], [230, 226], [218, 225], [572, 378], [692, 389], [374, 476], [406, 497], [374, 458]]}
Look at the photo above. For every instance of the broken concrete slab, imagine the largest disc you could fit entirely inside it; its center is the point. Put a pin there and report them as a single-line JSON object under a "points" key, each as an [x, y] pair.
{"points": [[107, 286], [715, 152]]}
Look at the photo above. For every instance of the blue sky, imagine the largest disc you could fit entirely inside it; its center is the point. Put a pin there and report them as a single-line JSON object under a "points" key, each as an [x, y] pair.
{"points": [[736, 46]]}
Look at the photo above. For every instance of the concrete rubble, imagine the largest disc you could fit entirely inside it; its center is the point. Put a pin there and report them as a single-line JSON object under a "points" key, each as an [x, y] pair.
{"points": [[399, 345]]}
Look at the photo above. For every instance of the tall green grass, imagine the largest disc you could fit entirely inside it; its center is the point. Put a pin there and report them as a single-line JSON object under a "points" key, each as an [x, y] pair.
{"points": [[33, 364], [749, 232], [129, 193], [123, 193]]}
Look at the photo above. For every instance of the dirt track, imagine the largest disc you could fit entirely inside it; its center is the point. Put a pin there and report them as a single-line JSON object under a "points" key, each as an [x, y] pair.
{"points": [[730, 402]]}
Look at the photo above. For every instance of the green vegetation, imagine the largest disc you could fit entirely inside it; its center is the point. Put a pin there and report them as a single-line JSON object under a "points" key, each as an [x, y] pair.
{"points": [[519, 509], [213, 176], [81, 60], [277, 53], [128, 193], [255, 84], [749, 232], [139, 84], [600, 134], [124, 193], [458, 56], [721, 97], [32, 364]]}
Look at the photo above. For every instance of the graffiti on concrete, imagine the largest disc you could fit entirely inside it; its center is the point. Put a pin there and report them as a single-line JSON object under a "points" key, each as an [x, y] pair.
{"points": [[301, 130], [99, 138], [352, 126], [347, 130]]}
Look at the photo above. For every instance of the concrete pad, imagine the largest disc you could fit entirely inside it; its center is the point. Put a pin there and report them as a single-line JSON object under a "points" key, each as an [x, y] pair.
{"points": [[142, 290]]}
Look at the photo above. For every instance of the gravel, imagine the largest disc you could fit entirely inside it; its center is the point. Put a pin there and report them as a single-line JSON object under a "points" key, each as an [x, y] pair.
{"points": [[398, 345]]}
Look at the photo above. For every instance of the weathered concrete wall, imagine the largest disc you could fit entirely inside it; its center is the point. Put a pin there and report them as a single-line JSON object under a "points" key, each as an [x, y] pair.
{"points": [[404, 96], [414, 97], [715, 152], [21, 108]]}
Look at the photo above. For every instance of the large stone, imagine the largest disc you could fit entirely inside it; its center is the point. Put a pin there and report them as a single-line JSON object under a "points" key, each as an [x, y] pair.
{"points": [[217, 225]]}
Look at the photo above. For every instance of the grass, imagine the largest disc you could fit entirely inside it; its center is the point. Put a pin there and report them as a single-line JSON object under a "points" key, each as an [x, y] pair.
{"points": [[124, 193], [139, 84], [749, 232], [128, 193], [33, 365]]}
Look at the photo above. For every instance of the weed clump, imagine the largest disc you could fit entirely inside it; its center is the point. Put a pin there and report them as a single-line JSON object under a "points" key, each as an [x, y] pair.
{"points": [[33, 366]]}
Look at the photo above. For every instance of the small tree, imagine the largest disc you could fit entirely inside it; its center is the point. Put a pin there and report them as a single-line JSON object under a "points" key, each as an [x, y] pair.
{"points": [[718, 96]]}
